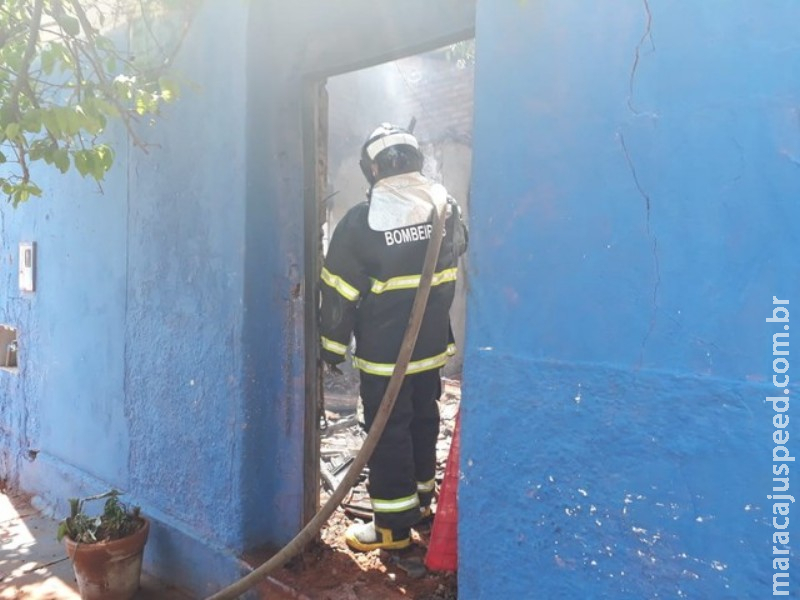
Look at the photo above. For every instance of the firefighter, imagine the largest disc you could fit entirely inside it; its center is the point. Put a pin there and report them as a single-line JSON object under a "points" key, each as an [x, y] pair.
{"points": [[371, 275]]}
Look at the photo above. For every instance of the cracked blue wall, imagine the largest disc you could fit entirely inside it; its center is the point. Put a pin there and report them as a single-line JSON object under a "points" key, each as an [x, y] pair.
{"points": [[634, 210]]}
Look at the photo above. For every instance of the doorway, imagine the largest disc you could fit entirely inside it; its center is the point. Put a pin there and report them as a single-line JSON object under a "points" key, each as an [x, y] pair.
{"points": [[432, 92]]}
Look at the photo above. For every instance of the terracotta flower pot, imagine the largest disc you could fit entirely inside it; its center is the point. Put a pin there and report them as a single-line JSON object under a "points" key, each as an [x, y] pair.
{"points": [[109, 570]]}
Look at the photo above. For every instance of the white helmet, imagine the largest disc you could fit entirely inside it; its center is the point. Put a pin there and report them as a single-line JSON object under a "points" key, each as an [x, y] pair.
{"points": [[393, 150]]}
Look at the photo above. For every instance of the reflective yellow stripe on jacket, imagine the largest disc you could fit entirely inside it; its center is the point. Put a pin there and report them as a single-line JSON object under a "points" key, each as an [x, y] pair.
{"points": [[415, 366], [410, 282], [395, 506], [334, 347], [340, 285], [426, 486]]}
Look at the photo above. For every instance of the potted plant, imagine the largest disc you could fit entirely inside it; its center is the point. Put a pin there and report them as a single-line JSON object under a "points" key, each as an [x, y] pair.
{"points": [[106, 549]]}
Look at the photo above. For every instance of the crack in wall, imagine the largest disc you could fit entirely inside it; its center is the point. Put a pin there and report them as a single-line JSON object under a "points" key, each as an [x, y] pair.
{"points": [[656, 261], [639, 187], [648, 34], [654, 312]]}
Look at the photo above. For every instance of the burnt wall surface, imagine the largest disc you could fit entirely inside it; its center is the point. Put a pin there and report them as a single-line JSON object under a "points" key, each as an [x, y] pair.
{"points": [[634, 211]]}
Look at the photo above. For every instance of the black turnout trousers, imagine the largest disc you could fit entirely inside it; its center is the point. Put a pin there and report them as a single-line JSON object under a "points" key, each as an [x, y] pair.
{"points": [[402, 469]]}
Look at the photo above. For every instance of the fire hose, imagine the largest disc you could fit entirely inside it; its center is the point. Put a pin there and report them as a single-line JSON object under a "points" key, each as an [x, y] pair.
{"points": [[309, 532]]}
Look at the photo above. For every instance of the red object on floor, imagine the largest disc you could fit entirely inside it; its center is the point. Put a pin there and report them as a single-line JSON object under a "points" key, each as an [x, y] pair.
{"points": [[443, 547]]}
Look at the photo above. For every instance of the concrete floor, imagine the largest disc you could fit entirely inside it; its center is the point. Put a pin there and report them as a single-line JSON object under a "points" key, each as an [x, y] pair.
{"points": [[34, 566]]}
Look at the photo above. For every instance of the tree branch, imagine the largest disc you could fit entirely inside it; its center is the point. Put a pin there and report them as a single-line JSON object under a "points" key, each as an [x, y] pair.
{"points": [[101, 74], [149, 27], [64, 80], [27, 58]]}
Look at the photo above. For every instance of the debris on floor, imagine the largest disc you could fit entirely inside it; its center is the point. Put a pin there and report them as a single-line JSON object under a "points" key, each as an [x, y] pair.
{"points": [[329, 570]]}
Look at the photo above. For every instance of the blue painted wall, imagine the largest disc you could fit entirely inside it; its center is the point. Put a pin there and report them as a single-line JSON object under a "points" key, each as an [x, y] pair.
{"points": [[130, 348], [632, 216], [162, 352], [634, 210]]}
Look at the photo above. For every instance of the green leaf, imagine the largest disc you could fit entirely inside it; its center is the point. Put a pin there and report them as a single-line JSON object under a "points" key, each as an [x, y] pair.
{"points": [[2, 158], [48, 153], [32, 121], [95, 120], [20, 195], [50, 121], [69, 24], [62, 531], [64, 56], [141, 104], [62, 115], [91, 119], [12, 130], [169, 88], [107, 108], [94, 125], [13, 56], [84, 162], [61, 159], [101, 162], [105, 154], [38, 149], [76, 120], [104, 43]]}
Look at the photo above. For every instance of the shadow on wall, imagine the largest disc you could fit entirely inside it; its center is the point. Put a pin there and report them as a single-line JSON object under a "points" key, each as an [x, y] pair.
{"points": [[437, 90]]}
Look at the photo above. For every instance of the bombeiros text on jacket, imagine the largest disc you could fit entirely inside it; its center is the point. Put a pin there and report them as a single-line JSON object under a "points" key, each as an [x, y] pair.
{"points": [[415, 233]]}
